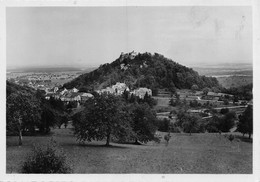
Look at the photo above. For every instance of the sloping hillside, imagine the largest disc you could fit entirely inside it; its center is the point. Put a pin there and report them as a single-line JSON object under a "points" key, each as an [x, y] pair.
{"points": [[14, 88], [142, 70]]}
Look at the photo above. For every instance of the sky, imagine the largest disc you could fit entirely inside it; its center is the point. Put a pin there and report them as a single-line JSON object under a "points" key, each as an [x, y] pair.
{"points": [[90, 36]]}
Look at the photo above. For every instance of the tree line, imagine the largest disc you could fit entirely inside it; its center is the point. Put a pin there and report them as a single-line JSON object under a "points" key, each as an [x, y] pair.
{"points": [[29, 113]]}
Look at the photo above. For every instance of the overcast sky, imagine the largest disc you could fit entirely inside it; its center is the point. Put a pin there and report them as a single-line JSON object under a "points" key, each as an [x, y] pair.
{"points": [[84, 36]]}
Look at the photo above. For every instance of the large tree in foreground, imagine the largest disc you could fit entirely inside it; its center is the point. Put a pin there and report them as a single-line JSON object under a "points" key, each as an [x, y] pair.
{"points": [[245, 124], [143, 122], [22, 113], [104, 116]]}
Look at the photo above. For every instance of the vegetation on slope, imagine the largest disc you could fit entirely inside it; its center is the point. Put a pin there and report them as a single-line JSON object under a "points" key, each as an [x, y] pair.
{"points": [[242, 92], [144, 70], [28, 112]]}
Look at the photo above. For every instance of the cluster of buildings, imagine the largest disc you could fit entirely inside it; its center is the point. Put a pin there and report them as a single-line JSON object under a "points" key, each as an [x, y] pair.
{"points": [[119, 88], [67, 95], [70, 95]]}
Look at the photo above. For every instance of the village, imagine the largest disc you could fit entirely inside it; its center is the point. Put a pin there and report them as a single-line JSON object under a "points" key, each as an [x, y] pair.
{"points": [[73, 95], [211, 99]]}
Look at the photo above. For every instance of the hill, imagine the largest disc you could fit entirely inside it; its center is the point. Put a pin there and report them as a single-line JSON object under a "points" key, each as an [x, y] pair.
{"points": [[14, 88], [228, 75], [142, 70]]}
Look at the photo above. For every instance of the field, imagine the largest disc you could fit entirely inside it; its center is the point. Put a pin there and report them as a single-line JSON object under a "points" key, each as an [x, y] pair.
{"points": [[198, 153], [228, 75], [235, 81]]}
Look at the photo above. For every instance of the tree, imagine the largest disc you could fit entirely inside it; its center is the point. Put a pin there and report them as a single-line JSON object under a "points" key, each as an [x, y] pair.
{"points": [[47, 120], [245, 124], [172, 102], [23, 113], [154, 91], [125, 94], [143, 122], [149, 100], [212, 124], [172, 88], [194, 88], [194, 103], [225, 102], [215, 89], [104, 116], [205, 90], [224, 110], [235, 99], [164, 125], [190, 123], [227, 122], [132, 98]]}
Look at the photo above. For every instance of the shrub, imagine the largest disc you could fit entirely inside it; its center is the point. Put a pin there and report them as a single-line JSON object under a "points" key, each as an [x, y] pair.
{"points": [[175, 129], [201, 128], [163, 125], [224, 110], [225, 102], [46, 160], [212, 127]]}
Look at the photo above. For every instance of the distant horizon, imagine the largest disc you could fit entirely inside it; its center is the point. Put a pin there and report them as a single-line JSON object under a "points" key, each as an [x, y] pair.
{"points": [[83, 67], [91, 36], [88, 65]]}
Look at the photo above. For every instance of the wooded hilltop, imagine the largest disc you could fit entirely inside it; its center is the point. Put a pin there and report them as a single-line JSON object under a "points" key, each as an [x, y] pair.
{"points": [[153, 71]]}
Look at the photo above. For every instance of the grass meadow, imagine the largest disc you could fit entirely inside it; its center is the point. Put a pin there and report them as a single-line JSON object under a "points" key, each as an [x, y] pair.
{"points": [[198, 153]]}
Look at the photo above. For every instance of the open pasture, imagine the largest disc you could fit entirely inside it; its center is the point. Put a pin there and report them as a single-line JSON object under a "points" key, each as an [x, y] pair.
{"points": [[198, 153]]}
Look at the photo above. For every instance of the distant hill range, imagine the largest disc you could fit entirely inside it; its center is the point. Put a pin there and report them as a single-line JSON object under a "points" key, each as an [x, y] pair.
{"points": [[153, 71], [44, 69], [228, 75]]}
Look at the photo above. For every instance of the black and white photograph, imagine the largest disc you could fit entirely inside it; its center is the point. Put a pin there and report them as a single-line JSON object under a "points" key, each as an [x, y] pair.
{"points": [[129, 89]]}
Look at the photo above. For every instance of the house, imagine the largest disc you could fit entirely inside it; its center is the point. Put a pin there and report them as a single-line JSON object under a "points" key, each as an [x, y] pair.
{"points": [[107, 90], [62, 92], [48, 96], [85, 96], [52, 90], [140, 92], [117, 89], [74, 90], [54, 95], [216, 96], [69, 97]]}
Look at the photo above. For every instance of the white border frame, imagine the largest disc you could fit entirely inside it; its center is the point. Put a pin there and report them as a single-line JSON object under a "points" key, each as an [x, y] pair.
{"points": [[255, 4]]}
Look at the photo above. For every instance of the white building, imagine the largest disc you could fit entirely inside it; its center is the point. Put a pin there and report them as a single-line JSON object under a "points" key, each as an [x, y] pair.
{"points": [[140, 92], [117, 89]]}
